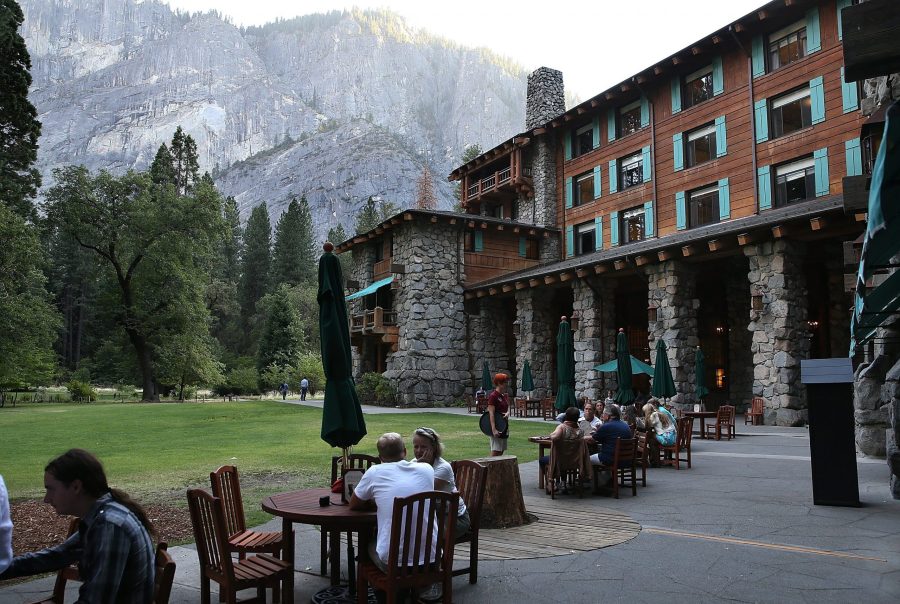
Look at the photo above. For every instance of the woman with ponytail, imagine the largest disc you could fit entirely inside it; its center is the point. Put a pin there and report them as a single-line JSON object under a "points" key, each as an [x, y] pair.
{"points": [[112, 545]]}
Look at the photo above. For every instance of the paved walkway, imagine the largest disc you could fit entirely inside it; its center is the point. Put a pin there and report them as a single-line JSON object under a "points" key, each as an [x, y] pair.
{"points": [[739, 526]]}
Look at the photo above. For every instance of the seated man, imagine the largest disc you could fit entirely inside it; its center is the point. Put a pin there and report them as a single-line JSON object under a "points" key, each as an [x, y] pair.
{"points": [[588, 422], [6, 527], [606, 435], [112, 546], [382, 483]]}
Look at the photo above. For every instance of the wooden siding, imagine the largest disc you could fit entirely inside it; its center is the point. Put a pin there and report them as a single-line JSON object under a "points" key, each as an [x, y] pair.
{"points": [[499, 256]]}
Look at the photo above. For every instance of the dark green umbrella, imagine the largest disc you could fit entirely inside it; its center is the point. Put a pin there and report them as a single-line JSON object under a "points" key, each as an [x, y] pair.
{"points": [[487, 384], [343, 424], [527, 381], [637, 366], [700, 377], [624, 395], [565, 367], [663, 384]]}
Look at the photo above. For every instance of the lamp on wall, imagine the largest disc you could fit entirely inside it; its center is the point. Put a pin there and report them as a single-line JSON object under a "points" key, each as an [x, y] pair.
{"points": [[756, 301], [652, 313], [574, 320], [517, 328]]}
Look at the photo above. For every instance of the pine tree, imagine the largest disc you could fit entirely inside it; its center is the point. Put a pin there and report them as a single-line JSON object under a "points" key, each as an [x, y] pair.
{"points": [[256, 262], [231, 243], [19, 127], [337, 235], [162, 171], [184, 161], [425, 198], [293, 261], [367, 219], [278, 343]]}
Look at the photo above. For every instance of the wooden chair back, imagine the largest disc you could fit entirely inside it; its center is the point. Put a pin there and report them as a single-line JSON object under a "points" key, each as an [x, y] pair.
{"points": [[623, 467], [520, 408], [757, 408], [471, 478], [227, 486], [422, 528], [211, 535], [643, 455], [165, 574], [685, 432], [548, 411], [355, 461]]}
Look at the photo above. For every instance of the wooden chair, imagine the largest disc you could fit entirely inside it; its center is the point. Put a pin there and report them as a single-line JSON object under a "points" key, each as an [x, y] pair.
{"points": [[754, 415], [548, 411], [724, 421], [470, 477], [643, 455], [481, 403], [672, 455], [420, 523], [570, 463], [470, 402], [520, 407], [622, 468], [214, 551], [226, 485], [354, 461]]}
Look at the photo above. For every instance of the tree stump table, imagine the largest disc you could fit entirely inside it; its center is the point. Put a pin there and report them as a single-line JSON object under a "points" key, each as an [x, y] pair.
{"points": [[503, 505]]}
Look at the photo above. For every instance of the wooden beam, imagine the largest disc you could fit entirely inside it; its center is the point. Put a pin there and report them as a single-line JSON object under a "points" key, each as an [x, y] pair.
{"points": [[642, 260], [550, 279], [625, 87], [740, 27], [481, 293], [664, 255], [601, 268], [453, 221], [858, 217], [493, 291], [566, 277], [546, 235], [818, 223], [483, 225], [717, 39], [595, 103], [433, 219], [499, 227], [521, 285], [371, 235], [581, 273], [658, 70], [696, 50], [689, 250], [532, 231], [620, 264], [407, 216], [581, 110], [762, 14], [568, 117], [780, 230], [507, 288], [469, 295], [676, 60], [395, 221], [517, 230], [540, 131], [534, 282], [379, 230], [746, 238], [717, 245], [642, 79], [609, 95]]}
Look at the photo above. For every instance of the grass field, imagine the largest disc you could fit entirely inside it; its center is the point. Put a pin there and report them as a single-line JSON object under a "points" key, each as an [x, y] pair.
{"points": [[157, 450]]}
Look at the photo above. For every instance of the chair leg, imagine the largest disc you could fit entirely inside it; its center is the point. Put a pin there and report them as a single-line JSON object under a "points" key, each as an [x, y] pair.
{"points": [[473, 560], [323, 551], [362, 585], [204, 589]]}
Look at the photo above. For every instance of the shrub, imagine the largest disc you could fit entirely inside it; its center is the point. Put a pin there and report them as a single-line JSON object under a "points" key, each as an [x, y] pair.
{"points": [[309, 366], [81, 391], [239, 381], [375, 389]]}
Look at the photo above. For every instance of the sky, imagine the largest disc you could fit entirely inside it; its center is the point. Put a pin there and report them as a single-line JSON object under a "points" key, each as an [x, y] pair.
{"points": [[595, 44]]}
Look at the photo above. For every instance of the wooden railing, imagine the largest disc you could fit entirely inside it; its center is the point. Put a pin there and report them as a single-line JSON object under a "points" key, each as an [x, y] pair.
{"points": [[374, 320], [496, 179], [490, 261], [381, 269]]}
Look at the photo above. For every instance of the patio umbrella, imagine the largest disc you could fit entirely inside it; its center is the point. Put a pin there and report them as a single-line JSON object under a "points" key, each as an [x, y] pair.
{"points": [[700, 375], [527, 381], [637, 366], [663, 384], [624, 395], [487, 384], [343, 424], [565, 367]]}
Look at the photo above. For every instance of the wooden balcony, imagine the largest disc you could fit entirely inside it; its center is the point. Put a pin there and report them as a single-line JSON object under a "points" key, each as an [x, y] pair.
{"points": [[495, 181], [486, 266], [377, 323], [381, 269]]}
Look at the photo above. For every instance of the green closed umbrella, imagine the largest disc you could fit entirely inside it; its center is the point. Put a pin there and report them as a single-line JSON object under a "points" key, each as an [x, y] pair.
{"points": [[565, 367], [663, 384], [343, 424], [700, 377], [487, 384], [624, 395], [527, 381]]}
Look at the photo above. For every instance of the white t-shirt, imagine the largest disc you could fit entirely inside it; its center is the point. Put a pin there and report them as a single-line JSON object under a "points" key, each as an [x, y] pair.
{"points": [[384, 482], [444, 471], [6, 528]]}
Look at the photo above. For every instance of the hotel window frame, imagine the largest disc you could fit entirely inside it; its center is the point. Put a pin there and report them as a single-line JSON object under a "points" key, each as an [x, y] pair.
{"points": [[583, 180], [635, 216], [780, 173], [582, 231], [694, 198], [630, 162], [583, 135], [708, 132], [704, 73], [632, 124], [774, 42], [801, 96], [494, 210]]}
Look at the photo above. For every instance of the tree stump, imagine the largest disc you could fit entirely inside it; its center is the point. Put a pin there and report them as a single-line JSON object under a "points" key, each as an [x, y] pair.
{"points": [[503, 505]]}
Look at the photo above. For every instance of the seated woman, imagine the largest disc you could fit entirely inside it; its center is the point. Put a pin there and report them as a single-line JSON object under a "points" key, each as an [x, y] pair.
{"points": [[663, 425], [427, 448], [567, 430]]}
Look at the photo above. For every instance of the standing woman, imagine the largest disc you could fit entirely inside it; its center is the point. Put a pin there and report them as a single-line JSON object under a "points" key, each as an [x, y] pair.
{"points": [[498, 401], [428, 449]]}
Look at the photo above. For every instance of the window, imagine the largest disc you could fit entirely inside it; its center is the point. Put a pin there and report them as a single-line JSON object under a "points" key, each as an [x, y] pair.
{"points": [[379, 251], [631, 170], [700, 145], [583, 142], [787, 45], [585, 238], [795, 181], [494, 211], [703, 206], [791, 112], [630, 118], [531, 249], [584, 188], [698, 87], [870, 144], [633, 224]]}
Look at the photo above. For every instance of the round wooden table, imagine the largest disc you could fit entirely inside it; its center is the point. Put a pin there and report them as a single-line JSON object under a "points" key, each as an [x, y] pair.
{"points": [[303, 507]]}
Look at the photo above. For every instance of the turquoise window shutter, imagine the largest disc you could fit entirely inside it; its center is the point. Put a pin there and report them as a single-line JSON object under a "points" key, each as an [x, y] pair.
{"points": [[595, 132], [761, 120], [821, 167], [718, 76], [764, 186], [680, 211], [724, 199], [678, 151], [758, 57], [598, 189], [522, 246], [648, 219], [648, 169], [817, 100], [570, 241], [854, 157], [676, 94], [721, 137], [841, 5], [479, 241], [849, 94], [613, 177], [813, 33], [614, 228], [568, 192], [598, 231], [645, 112], [611, 124], [567, 145]]}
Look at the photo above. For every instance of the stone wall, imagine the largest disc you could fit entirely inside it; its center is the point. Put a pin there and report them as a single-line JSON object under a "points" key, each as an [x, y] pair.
{"points": [[543, 170], [545, 97], [537, 328], [487, 340], [587, 339], [431, 364], [740, 359], [780, 333], [362, 263]]}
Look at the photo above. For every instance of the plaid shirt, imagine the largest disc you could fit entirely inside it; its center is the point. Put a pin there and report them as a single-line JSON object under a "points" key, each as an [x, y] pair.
{"points": [[114, 553]]}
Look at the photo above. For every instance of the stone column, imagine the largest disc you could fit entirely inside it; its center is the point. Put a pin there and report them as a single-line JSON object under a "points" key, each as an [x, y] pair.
{"points": [[537, 326], [487, 339], [740, 358], [594, 302], [672, 290], [780, 333]]}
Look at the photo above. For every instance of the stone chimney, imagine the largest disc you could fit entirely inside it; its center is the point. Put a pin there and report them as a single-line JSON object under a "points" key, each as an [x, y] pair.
{"points": [[545, 98]]}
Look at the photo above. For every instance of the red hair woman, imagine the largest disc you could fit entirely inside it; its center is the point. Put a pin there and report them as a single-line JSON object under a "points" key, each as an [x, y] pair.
{"points": [[498, 402]]}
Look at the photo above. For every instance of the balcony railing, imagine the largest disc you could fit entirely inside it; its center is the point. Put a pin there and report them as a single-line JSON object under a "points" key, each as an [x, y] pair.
{"points": [[475, 259], [488, 183], [381, 269], [373, 321]]}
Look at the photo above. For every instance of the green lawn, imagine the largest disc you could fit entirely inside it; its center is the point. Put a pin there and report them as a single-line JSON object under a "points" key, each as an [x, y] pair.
{"points": [[156, 451]]}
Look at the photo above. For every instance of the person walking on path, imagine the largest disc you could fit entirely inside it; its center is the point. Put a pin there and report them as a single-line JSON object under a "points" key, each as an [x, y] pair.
{"points": [[304, 387], [283, 389]]}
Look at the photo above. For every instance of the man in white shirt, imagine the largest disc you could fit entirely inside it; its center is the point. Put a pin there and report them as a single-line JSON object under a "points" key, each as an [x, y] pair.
{"points": [[6, 554], [589, 421], [382, 483]]}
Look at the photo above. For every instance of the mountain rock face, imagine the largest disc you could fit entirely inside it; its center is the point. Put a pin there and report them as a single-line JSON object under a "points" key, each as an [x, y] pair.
{"points": [[336, 107]]}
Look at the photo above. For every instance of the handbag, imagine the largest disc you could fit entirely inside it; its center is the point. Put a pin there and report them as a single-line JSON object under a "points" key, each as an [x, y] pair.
{"points": [[501, 422]]}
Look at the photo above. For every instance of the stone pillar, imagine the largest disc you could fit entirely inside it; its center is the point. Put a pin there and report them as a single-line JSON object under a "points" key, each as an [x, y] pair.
{"points": [[672, 290], [740, 358], [587, 339], [543, 170], [872, 402], [487, 339], [537, 326], [545, 97], [780, 333]]}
